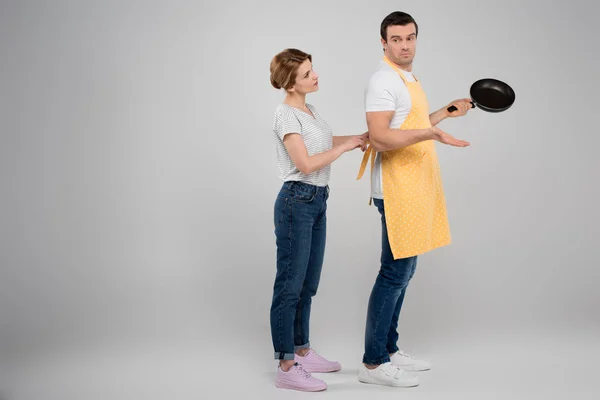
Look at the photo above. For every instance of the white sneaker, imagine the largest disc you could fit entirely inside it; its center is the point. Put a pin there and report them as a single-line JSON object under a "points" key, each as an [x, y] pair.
{"points": [[407, 362], [387, 375]]}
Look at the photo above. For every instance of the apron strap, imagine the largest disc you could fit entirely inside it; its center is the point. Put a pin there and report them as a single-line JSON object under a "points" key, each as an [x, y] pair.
{"points": [[391, 64], [369, 153]]}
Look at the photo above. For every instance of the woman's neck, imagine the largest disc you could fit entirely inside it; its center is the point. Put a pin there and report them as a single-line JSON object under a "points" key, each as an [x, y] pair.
{"points": [[296, 100]]}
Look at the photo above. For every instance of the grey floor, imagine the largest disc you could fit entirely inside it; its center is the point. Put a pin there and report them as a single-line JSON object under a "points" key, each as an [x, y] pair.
{"points": [[479, 365]]}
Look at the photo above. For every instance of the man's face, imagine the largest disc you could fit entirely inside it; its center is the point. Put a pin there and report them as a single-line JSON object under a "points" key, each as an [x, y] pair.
{"points": [[307, 80], [401, 44]]}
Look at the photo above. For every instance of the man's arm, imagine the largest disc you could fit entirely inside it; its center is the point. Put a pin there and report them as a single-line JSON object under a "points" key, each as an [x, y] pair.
{"points": [[384, 95], [382, 138], [438, 116], [462, 107]]}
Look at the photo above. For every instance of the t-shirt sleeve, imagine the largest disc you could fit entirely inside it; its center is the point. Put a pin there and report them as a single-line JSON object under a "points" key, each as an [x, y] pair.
{"points": [[379, 95], [286, 122]]}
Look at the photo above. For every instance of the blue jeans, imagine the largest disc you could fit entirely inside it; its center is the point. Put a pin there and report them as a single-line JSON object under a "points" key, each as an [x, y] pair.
{"points": [[386, 300], [300, 229]]}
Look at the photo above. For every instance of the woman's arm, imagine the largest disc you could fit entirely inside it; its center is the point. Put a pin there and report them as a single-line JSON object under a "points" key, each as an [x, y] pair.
{"points": [[338, 140], [306, 164]]}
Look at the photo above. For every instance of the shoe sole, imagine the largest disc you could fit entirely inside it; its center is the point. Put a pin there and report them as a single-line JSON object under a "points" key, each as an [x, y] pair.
{"points": [[322, 371], [412, 369], [383, 384], [301, 389]]}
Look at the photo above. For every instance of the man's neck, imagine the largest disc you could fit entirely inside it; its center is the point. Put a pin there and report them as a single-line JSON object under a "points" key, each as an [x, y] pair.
{"points": [[407, 68]]}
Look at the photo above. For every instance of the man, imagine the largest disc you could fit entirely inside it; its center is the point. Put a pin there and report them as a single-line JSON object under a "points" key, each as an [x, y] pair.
{"points": [[406, 187]]}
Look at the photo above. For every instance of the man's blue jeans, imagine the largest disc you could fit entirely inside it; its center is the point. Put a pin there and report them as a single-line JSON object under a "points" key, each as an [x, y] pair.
{"points": [[386, 300]]}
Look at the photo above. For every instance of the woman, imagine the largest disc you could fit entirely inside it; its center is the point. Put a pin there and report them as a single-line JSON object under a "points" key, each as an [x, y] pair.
{"points": [[305, 151]]}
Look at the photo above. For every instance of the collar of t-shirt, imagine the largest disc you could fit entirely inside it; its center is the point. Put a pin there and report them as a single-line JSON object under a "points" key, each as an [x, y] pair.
{"points": [[407, 75]]}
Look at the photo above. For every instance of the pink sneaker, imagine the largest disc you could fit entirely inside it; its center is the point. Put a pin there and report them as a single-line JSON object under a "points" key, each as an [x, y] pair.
{"points": [[313, 362], [298, 379]]}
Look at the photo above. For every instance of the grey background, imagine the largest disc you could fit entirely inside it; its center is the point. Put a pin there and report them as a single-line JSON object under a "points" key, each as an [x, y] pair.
{"points": [[138, 177]]}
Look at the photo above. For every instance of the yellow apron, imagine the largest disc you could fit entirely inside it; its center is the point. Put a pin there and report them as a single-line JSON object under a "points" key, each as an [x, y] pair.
{"points": [[415, 206]]}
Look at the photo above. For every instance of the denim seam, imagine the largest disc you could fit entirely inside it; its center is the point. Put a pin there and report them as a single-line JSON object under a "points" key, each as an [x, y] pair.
{"points": [[287, 270], [376, 325], [377, 320], [298, 306]]}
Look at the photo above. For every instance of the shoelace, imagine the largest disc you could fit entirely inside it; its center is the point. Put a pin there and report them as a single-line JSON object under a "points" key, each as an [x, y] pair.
{"points": [[300, 370]]}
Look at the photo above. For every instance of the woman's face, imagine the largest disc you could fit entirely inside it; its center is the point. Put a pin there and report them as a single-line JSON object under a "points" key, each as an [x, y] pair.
{"points": [[307, 80]]}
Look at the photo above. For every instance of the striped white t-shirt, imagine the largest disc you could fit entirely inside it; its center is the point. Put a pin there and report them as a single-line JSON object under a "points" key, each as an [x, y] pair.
{"points": [[317, 136]]}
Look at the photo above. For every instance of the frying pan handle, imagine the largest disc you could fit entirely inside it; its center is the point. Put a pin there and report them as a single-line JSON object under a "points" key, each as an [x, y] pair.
{"points": [[452, 108]]}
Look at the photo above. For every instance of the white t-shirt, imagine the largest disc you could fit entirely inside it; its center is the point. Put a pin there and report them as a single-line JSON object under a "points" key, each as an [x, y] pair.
{"points": [[317, 137], [387, 92]]}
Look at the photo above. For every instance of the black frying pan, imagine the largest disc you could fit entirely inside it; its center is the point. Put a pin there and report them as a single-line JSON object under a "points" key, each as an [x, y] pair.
{"points": [[490, 95]]}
